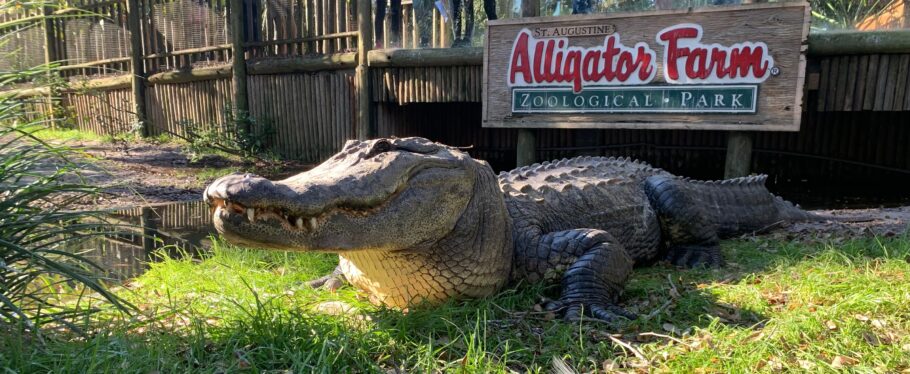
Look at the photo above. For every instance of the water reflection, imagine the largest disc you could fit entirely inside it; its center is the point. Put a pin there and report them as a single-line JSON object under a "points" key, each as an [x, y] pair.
{"points": [[143, 233]]}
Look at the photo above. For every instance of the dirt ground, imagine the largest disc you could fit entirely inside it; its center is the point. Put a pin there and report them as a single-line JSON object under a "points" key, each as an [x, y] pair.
{"points": [[144, 173], [139, 173]]}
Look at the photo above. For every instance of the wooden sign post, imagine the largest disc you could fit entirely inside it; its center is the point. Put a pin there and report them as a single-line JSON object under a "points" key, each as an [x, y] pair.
{"points": [[726, 68], [526, 144]]}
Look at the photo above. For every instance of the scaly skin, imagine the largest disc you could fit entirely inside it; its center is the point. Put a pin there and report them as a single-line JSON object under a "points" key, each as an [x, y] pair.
{"points": [[419, 222]]}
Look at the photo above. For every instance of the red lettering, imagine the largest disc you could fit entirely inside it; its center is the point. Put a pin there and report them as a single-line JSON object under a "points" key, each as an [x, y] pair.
{"points": [[590, 72], [572, 69], [557, 73], [746, 58], [609, 56], [624, 67], [644, 64], [695, 64], [711, 62], [673, 51], [521, 63], [540, 72], [719, 62]]}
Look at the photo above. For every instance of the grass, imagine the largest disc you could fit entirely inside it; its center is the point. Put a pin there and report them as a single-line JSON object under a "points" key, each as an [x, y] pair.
{"points": [[50, 134], [77, 135], [207, 175], [817, 306]]}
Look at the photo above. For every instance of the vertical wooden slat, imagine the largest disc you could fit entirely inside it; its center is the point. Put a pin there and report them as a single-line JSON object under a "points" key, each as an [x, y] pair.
{"points": [[882, 83], [891, 82], [901, 88], [871, 81], [834, 77], [850, 88]]}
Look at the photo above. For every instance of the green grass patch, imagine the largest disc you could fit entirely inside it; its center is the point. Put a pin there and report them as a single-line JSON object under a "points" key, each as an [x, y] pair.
{"points": [[824, 307], [49, 134], [52, 134], [209, 174]]}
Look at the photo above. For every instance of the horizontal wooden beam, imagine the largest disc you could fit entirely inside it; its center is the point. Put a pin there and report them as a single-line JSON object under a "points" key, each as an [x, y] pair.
{"points": [[303, 64], [191, 75], [426, 57], [25, 92], [189, 51], [96, 63], [859, 42], [111, 83], [347, 34]]}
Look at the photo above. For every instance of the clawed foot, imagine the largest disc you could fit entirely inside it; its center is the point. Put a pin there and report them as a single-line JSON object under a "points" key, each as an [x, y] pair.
{"points": [[692, 256], [330, 282], [574, 311]]}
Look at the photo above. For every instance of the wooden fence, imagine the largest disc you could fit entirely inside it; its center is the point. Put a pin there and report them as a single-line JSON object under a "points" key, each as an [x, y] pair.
{"points": [[302, 79], [874, 82], [311, 115]]}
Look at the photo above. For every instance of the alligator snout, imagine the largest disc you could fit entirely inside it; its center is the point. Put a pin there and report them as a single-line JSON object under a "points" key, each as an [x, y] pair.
{"points": [[244, 194], [238, 187]]}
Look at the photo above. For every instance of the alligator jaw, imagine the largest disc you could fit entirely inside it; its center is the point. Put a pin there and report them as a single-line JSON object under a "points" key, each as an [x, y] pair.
{"points": [[292, 221], [283, 219]]}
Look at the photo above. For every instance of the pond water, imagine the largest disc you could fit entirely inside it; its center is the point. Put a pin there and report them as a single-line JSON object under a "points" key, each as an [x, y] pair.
{"points": [[145, 233]]}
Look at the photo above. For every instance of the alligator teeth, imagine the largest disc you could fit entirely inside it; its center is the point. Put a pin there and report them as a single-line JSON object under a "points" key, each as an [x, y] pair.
{"points": [[250, 214], [312, 223], [299, 223]]}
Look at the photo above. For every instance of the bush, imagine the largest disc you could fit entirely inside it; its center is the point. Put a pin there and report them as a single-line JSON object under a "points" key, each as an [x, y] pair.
{"points": [[245, 137]]}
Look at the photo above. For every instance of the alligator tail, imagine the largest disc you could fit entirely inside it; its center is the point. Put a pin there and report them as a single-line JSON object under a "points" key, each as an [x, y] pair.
{"points": [[743, 205]]}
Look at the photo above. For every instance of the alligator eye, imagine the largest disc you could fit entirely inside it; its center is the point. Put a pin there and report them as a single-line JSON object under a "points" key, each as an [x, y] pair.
{"points": [[380, 147]]}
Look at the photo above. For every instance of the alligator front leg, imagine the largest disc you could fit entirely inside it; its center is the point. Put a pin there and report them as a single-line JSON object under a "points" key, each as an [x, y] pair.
{"points": [[331, 281], [596, 269]]}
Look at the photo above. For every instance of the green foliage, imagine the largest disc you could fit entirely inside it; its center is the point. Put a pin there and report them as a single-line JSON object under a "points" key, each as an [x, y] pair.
{"points": [[778, 306], [845, 14], [246, 137], [40, 281], [38, 183]]}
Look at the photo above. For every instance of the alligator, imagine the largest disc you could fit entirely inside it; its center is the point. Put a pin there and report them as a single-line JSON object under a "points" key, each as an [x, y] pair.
{"points": [[418, 222]]}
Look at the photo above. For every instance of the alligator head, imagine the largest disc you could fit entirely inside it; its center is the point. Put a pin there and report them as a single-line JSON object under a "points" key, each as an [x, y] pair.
{"points": [[413, 220]]}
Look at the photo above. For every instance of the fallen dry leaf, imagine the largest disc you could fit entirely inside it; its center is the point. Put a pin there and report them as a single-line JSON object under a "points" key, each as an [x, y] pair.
{"points": [[879, 323], [861, 317], [842, 361], [755, 336], [775, 365], [806, 364], [830, 325]]}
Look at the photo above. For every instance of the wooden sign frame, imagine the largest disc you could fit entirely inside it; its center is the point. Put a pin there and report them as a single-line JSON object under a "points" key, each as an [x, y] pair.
{"points": [[515, 95]]}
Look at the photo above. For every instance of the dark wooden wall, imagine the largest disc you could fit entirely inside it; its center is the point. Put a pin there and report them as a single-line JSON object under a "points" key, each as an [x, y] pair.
{"points": [[854, 140]]}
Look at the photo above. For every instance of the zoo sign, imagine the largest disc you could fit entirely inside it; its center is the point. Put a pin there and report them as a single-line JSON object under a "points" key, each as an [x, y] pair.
{"points": [[731, 68]]}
